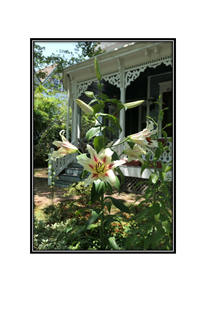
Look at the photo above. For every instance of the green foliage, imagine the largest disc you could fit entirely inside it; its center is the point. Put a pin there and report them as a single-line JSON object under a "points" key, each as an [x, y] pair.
{"points": [[154, 231], [119, 204], [84, 224], [49, 117], [40, 61]]}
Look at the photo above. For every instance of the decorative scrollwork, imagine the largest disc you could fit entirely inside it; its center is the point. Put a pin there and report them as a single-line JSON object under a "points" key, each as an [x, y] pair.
{"points": [[81, 87], [113, 79], [132, 73]]}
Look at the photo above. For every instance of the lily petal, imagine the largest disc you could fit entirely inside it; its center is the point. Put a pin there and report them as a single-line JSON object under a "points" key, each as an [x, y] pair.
{"points": [[91, 178], [109, 176]]}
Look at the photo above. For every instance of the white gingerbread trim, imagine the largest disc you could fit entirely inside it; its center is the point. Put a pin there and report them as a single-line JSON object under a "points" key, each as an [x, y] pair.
{"points": [[132, 73]]}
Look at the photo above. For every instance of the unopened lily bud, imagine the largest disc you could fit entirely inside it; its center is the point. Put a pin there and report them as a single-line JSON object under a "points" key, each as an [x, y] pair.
{"points": [[85, 107], [133, 104], [89, 94], [97, 69]]}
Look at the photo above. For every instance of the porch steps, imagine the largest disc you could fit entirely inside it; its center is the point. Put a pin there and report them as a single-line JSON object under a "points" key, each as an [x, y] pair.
{"points": [[70, 175]]}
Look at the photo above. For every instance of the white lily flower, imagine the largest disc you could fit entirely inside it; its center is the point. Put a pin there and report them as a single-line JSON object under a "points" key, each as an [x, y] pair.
{"points": [[85, 107], [134, 153], [100, 165], [65, 147], [143, 137], [133, 104]]}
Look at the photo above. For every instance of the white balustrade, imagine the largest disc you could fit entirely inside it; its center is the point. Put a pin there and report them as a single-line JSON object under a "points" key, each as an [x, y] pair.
{"points": [[58, 165], [61, 163], [165, 157]]}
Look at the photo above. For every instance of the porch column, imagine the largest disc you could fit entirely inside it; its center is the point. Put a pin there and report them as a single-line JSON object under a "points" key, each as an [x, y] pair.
{"points": [[78, 123], [68, 106], [122, 97]]}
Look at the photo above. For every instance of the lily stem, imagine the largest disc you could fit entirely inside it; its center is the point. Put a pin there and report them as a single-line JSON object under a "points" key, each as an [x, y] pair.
{"points": [[102, 222], [120, 142]]}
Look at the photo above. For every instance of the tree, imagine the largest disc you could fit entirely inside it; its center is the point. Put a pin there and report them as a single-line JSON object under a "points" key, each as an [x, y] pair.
{"points": [[49, 120], [49, 111], [89, 49]]}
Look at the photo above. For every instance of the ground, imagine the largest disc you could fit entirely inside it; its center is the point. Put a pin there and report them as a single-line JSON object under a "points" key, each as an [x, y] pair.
{"points": [[43, 193]]}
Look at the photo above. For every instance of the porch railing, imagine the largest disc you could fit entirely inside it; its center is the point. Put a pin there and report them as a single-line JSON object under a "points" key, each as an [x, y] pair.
{"points": [[57, 166], [165, 157]]}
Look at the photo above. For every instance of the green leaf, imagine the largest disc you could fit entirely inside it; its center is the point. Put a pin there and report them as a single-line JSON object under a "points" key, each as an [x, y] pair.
{"points": [[143, 167], [156, 217], [120, 106], [148, 194], [158, 152], [131, 144], [92, 226], [80, 230], [103, 96], [142, 214], [98, 143], [97, 107], [93, 217], [164, 166], [154, 177], [83, 174], [119, 205], [164, 134], [108, 204], [121, 174], [163, 175], [108, 186], [93, 132], [114, 101], [155, 208], [147, 242], [113, 243], [117, 184], [109, 220], [168, 169], [166, 226], [92, 101], [111, 129], [98, 188], [160, 234], [68, 229], [97, 69], [115, 156], [113, 119]]}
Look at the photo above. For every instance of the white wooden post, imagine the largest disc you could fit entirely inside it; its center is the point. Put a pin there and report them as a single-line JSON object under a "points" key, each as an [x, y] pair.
{"points": [[75, 124], [68, 104], [148, 95], [122, 99], [74, 117], [50, 162], [78, 123]]}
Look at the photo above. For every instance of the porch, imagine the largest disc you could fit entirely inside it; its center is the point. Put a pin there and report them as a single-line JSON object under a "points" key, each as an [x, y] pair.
{"points": [[138, 71]]}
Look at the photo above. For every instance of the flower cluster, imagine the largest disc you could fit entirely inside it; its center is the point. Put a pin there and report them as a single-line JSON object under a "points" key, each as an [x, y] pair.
{"points": [[64, 147], [100, 166], [143, 142]]}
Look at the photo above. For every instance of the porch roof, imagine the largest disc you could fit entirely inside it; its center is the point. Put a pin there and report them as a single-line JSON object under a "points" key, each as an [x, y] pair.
{"points": [[131, 55]]}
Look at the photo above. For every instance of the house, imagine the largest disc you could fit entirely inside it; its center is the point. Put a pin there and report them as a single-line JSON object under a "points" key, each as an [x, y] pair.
{"points": [[52, 80], [37, 80], [131, 71]]}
